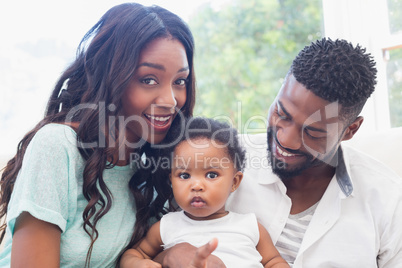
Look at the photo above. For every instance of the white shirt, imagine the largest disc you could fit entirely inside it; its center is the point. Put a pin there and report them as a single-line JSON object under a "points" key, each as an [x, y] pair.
{"points": [[237, 234], [292, 235], [357, 223]]}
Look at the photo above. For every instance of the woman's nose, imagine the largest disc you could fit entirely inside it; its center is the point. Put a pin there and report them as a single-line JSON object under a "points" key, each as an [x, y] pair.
{"points": [[166, 98]]}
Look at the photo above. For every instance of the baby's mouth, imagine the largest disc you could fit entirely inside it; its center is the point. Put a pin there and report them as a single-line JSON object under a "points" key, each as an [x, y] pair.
{"points": [[197, 202]]}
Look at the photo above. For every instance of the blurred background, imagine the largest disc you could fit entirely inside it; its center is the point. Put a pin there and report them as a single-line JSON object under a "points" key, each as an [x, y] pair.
{"points": [[243, 51]]}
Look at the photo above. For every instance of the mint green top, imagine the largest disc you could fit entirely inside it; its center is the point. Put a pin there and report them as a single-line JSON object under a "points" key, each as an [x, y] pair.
{"points": [[49, 187]]}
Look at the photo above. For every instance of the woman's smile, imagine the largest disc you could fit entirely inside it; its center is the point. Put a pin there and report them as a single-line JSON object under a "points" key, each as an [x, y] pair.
{"points": [[160, 123]]}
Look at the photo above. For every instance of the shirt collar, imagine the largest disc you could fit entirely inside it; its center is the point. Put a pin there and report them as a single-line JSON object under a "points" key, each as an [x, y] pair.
{"points": [[342, 175]]}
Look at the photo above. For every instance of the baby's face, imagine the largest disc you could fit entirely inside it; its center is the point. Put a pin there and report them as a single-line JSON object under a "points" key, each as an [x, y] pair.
{"points": [[202, 177]]}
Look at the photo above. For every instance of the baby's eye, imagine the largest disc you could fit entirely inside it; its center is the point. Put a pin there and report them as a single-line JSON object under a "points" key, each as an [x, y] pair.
{"points": [[149, 81], [181, 82], [212, 175], [184, 176]]}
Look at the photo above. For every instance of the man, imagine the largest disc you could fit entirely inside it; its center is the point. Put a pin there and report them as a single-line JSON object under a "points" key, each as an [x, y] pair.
{"points": [[324, 205]]}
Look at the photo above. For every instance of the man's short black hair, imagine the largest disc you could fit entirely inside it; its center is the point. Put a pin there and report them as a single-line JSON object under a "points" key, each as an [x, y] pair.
{"points": [[337, 71]]}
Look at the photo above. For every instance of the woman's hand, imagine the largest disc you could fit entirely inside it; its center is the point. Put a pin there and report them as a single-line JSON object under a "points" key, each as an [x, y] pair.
{"points": [[185, 255]]}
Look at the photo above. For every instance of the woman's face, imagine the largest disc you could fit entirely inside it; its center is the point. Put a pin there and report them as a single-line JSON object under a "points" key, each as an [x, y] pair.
{"points": [[157, 91]]}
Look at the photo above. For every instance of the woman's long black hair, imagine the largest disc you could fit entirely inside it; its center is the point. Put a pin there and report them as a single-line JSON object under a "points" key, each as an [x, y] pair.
{"points": [[106, 60]]}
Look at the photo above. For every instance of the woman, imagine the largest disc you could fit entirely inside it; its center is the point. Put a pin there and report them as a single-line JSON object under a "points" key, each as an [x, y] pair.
{"points": [[67, 192]]}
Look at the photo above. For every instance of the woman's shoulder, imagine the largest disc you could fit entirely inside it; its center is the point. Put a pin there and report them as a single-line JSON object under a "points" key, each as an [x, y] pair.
{"points": [[55, 136], [54, 128]]}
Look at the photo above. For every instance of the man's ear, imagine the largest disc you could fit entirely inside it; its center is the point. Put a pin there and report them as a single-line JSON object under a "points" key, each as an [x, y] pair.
{"points": [[351, 130], [237, 180]]}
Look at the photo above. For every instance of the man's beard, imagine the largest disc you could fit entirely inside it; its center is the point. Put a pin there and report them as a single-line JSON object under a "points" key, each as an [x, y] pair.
{"points": [[280, 168]]}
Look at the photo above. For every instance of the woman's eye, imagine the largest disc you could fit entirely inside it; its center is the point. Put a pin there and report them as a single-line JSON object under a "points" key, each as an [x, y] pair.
{"points": [[184, 176], [149, 81], [212, 175], [181, 82]]}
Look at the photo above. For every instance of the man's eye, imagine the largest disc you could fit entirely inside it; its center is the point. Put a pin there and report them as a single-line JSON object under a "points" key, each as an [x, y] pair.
{"points": [[280, 113], [211, 175], [314, 137], [281, 116], [184, 176], [149, 81]]}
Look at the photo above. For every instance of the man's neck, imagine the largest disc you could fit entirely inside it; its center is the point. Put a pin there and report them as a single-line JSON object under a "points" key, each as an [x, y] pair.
{"points": [[307, 188]]}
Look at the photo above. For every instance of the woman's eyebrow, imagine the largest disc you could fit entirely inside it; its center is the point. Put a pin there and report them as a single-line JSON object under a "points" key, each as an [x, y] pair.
{"points": [[184, 69], [153, 65], [161, 67]]}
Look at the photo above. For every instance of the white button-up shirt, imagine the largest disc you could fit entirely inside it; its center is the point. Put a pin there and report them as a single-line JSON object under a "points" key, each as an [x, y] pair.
{"points": [[357, 223]]}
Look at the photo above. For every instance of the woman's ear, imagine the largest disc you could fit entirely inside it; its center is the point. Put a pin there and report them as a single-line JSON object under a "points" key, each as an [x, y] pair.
{"points": [[351, 130], [237, 180]]}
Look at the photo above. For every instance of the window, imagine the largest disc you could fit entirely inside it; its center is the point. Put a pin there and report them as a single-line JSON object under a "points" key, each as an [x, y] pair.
{"points": [[376, 25], [393, 59], [394, 16]]}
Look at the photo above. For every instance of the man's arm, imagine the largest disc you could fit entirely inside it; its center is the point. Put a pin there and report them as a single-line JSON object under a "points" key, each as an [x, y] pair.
{"points": [[390, 254]]}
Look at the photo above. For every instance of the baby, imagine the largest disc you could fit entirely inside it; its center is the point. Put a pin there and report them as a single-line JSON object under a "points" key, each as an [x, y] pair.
{"points": [[206, 167]]}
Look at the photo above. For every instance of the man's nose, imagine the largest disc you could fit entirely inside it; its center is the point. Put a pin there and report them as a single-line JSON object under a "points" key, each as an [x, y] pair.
{"points": [[289, 137]]}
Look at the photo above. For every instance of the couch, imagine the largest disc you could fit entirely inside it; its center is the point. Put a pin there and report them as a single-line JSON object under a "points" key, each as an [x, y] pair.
{"points": [[385, 146]]}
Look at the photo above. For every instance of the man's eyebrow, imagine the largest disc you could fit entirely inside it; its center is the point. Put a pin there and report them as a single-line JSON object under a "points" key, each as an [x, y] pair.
{"points": [[311, 128], [284, 110]]}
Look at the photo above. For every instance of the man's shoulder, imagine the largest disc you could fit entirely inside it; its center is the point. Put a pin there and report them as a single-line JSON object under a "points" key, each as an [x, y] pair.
{"points": [[254, 142]]}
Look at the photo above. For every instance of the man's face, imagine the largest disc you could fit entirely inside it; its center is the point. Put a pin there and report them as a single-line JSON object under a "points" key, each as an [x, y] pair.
{"points": [[304, 130]]}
